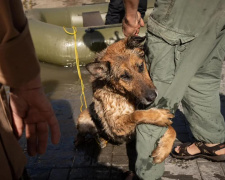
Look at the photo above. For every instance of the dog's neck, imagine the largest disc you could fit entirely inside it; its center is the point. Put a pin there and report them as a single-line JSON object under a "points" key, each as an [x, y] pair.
{"points": [[102, 85]]}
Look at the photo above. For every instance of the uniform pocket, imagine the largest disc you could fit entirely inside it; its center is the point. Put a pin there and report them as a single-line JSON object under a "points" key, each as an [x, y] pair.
{"points": [[165, 47], [163, 58]]}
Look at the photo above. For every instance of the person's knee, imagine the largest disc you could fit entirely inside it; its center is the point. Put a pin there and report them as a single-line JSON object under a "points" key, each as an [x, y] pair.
{"points": [[151, 130]]}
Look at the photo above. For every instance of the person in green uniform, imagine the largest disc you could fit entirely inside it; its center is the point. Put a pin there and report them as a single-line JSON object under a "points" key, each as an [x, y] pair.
{"points": [[185, 49]]}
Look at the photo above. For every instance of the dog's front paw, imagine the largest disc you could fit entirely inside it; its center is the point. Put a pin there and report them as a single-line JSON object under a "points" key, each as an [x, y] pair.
{"points": [[165, 146], [101, 141], [162, 117], [160, 154]]}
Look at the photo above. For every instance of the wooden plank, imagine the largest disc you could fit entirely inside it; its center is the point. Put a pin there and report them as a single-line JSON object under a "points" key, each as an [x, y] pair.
{"points": [[92, 19]]}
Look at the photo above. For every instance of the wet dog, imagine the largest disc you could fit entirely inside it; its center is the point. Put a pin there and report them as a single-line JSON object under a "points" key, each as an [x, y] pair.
{"points": [[120, 82]]}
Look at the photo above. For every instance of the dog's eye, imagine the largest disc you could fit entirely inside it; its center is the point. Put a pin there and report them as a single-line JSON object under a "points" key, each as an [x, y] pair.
{"points": [[141, 67], [126, 76]]}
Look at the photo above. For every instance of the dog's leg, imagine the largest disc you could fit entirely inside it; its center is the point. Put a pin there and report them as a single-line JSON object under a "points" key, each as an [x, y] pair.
{"points": [[159, 117], [85, 126], [165, 146], [126, 124]]}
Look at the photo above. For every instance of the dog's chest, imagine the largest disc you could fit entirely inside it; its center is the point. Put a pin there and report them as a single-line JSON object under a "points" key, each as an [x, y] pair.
{"points": [[112, 104], [109, 107]]}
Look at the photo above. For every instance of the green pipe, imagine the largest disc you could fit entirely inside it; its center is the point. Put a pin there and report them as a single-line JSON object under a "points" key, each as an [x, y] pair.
{"points": [[54, 45], [66, 16]]}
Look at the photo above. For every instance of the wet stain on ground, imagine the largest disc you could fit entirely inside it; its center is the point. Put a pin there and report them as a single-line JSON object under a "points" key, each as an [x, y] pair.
{"points": [[180, 177]]}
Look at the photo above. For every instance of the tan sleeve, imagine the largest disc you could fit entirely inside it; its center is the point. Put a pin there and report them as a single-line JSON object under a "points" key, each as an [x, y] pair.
{"points": [[18, 62]]}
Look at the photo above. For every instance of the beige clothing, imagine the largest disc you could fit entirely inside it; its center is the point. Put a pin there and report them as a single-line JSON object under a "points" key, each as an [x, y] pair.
{"points": [[11, 156], [18, 65]]}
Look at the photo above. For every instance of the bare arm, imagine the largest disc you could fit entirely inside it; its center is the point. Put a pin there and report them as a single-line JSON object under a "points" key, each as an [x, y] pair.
{"points": [[132, 21]]}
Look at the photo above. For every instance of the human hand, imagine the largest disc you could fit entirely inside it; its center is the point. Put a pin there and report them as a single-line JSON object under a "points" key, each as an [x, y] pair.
{"points": [[32, 110], [131, 24]]}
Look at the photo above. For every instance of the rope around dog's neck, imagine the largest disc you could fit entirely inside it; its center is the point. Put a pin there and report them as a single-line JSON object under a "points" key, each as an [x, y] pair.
{"points": [[78, 66]]}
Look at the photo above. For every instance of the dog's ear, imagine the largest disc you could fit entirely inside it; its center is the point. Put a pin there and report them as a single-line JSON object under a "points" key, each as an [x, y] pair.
{"points": [[135, 42], [100, 70]]}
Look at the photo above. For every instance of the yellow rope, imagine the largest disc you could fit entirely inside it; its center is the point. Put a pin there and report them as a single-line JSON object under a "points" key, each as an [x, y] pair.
{"points": [[78, 65]]}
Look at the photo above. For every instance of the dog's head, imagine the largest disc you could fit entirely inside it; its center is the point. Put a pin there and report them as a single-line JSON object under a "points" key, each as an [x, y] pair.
{"points": [[122, 66]]}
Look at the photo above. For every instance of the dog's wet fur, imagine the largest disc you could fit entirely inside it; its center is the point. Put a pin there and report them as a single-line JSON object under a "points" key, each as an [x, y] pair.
{"points": [[120, 82]]}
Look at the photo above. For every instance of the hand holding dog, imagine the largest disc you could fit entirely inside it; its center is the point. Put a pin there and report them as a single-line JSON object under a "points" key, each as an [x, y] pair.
{"points": [[32, 110], [131, 24]]}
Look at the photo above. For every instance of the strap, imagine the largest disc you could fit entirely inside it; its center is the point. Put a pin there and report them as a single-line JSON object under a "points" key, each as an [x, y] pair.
{"points": [[209, 150], [97, 121], [183, 149]]}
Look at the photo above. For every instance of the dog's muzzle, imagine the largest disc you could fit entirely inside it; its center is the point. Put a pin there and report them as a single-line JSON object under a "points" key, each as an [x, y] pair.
{"points": [[149, 97]]}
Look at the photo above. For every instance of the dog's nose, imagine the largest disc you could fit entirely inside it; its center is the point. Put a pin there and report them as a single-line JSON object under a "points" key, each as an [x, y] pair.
{"points": [[151, 95]]}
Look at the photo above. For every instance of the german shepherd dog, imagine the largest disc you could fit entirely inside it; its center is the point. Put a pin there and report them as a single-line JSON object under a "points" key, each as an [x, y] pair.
{"points": [[120, 82]]}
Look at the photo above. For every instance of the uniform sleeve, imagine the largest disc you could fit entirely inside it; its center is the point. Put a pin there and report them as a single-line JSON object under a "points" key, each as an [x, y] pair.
{"points": [[18, 61]]}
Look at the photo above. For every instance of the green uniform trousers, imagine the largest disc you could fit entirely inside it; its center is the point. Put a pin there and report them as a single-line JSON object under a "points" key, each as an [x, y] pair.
{"points": [[185, 52]]}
